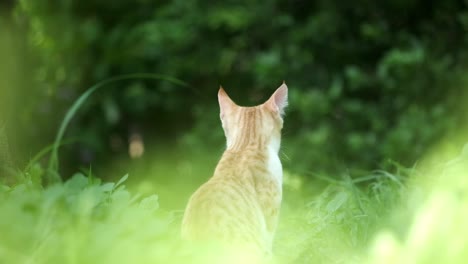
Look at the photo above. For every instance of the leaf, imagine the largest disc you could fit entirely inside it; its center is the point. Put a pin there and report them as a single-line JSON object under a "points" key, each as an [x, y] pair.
{"points": [[337, 202], [107, 187], [77, 183], [150, 203], [465, 150], [122, 180]]}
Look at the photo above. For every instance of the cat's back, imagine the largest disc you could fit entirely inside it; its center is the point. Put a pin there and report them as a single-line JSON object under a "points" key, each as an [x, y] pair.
{"points": [[225, 207]]}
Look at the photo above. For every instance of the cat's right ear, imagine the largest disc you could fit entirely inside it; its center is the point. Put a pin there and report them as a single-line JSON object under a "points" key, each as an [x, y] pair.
{"points": [[225, 103], [279, 100]]}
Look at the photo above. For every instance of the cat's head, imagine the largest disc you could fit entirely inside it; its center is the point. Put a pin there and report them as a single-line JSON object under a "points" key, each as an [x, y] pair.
{"points": [[257, 126]]}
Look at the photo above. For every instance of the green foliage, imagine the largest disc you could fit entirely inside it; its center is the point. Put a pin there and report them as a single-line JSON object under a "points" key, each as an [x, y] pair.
{"points": [[406, 217], [53, 163], [412, 216], [343, 218], [82, 221], [435, 232], [366, 80]]}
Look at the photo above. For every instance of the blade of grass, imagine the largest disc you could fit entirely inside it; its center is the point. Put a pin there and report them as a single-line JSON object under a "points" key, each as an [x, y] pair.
{"points": [[45, 151], [54, 160]]}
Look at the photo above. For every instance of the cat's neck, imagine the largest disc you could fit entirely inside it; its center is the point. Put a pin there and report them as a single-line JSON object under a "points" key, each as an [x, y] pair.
{"points": [[264, 155], [270, 145], [271, 149]]}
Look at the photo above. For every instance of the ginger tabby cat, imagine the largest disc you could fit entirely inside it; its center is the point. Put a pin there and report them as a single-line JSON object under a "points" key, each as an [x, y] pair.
{"points": [[239, 206]]}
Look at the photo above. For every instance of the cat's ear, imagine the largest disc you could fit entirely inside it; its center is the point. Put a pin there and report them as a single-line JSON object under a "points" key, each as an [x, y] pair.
{"points": [[279, 100], [225, 103]]}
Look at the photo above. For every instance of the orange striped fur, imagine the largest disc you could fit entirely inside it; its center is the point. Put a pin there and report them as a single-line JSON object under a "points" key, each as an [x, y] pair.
{"points": [[239, 205]]}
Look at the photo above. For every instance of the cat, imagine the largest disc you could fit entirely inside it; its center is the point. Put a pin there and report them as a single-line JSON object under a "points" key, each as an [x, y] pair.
{"points": [[238, 207]]}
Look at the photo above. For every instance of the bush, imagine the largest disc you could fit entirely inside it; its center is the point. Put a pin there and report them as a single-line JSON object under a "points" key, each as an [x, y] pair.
{"points": [[367, 81]]}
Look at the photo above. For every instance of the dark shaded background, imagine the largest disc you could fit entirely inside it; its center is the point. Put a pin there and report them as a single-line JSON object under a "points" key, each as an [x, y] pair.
{"points": [[369, 81]]}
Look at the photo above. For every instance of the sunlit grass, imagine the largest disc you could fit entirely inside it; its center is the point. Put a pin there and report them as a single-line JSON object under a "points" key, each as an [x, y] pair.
{"points": [[375, 218], [437, 231], [406, 215]]}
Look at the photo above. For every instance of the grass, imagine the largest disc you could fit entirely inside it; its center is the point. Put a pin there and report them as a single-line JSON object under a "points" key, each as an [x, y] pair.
{"points": [[338, 224], [379, 217], [415, 215]]}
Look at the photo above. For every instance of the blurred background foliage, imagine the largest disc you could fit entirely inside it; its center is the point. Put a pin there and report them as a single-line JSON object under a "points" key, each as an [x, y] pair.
{"points": [[378, 94], [369, 81]]}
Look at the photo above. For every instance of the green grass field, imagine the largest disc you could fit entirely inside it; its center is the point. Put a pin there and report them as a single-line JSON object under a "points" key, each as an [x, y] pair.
{"points": [[398, 215], [415, 215]]}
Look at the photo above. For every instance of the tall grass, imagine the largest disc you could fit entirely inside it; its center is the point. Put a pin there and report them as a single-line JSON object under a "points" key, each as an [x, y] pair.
{"points": [[86, 221], [415, 215], [374, 218]]}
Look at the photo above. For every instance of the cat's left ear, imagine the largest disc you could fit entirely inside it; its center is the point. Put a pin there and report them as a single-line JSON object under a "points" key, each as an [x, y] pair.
{"points": [[279, 100], [225, 103]]}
